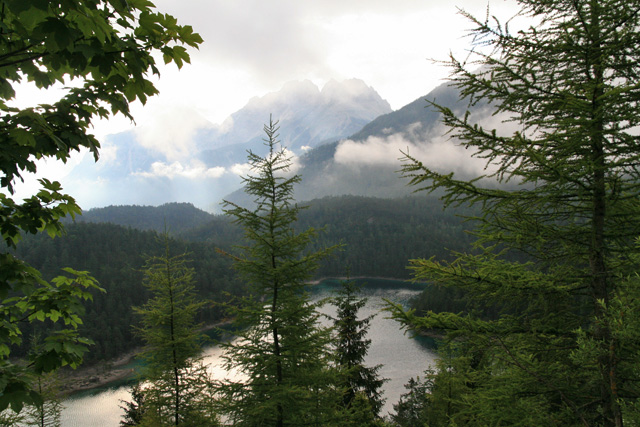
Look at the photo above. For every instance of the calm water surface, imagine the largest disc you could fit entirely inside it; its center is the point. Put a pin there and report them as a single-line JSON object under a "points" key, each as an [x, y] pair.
{"points": [[401, 356]]}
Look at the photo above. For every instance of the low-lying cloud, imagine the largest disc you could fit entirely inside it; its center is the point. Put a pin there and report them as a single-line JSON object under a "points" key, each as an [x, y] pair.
{"points": [[196, 170], [439, 153], [433, 147], [171, 132]]}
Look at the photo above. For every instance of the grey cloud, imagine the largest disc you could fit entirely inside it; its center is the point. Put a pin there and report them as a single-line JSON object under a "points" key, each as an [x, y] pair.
{"points": [[432, 147], [277, 40]]}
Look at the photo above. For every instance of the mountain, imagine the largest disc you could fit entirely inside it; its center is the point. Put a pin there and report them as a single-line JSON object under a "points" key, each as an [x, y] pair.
{"points": [[175, 217], [367, 162], [198, 162], [308, 117]]}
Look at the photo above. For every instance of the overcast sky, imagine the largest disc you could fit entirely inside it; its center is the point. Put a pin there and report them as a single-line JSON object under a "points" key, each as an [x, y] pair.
{"points": [[252, 47]]}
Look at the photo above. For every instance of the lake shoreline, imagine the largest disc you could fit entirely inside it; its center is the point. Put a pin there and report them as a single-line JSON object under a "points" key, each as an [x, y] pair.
{"points": [[101, 374], [98, 375]]}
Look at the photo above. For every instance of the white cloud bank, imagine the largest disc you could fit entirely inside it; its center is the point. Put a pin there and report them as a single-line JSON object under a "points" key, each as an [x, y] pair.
{"points": [[433, 147], [439, 153], [171, 131], [196, 170]]}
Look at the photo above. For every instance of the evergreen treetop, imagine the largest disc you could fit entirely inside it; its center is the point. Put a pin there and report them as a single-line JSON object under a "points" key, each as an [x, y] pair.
{"points": [[281, 353], [569, 84]]}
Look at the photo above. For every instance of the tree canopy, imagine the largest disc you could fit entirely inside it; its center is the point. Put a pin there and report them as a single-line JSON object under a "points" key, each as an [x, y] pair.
{"points": [[177, 384], [557, 349], [281, 353], [102, 52]]}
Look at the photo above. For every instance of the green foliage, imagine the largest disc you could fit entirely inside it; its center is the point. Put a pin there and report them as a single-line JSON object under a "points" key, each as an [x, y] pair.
{"points": [[106, 50], [134, 410], [35, 300], [362, 394], [281, 353], [175, 217], [103, 50], [555, 253], [116, 256], [178, 387]]}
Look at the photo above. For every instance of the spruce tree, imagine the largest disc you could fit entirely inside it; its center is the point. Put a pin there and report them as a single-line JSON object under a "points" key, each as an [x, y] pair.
{"points": [[281, 353], [546, 339], [133, 410], [177, 386], [411, 409], [47, 412], [361, 384]]}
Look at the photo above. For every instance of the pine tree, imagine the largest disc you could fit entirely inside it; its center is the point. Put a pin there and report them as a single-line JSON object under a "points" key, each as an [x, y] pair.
{"points": [[133, 410], [362, 394], [411, 408], [46, 413], [177, 386], [281, 352], [543, 337]]}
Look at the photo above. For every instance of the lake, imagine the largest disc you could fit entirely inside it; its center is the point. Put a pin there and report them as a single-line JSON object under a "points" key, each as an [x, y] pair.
{"points": [[402, 357]]}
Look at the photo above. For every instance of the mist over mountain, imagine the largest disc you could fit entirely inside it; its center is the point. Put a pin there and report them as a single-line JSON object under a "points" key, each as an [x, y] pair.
{"points": [[309, 115], [200, 162], [367, 162], [343, 138]]}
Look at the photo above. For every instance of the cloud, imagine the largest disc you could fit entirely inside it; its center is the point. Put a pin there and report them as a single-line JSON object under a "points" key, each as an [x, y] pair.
{"points": [[196, 170], [281, 40], [245, 169], [438, 153], [108, 154], [171, 131], [373, 152], [241, 169], [295, 163]]}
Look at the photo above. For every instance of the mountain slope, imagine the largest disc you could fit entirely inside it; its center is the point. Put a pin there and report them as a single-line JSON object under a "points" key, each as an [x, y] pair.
{"points": [[202, 164], [367, 162], [175, 217], [308, 117]]}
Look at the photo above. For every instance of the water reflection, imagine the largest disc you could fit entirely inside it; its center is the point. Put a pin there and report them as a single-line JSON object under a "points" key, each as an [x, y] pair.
{"points": [[401, 357]]}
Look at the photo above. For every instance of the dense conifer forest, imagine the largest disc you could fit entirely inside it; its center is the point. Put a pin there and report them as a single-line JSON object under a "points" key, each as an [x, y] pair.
{"points": [[379, 236], [538, 316]]}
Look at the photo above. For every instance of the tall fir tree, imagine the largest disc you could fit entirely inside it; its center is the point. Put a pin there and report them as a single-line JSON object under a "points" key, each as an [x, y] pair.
{"points": [[48, 412], [362, 395], [281, 353], [413, 407], [177, 387], [556, 347], [135, 408]]}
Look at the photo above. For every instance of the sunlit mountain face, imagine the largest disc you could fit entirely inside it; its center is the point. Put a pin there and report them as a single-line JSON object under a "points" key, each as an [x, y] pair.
{"points": [[343, 139], [202, 162]]}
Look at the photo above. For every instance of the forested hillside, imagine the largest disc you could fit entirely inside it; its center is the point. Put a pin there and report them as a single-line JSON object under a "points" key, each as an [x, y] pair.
{"points": [[176, 217], [379, 236], [115, 255]]}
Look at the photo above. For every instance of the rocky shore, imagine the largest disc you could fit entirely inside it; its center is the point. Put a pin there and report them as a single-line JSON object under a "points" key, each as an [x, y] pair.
{"points": [[101, 374], [105, 373]]}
